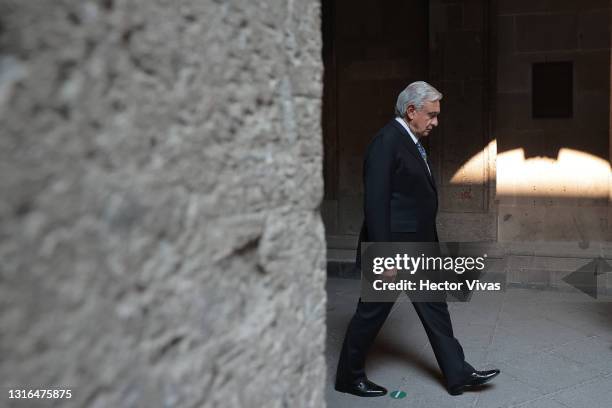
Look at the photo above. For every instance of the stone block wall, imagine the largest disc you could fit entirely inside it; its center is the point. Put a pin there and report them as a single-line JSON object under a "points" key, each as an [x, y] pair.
{"points": [[553, 173], [373, 54], [160, 180], [462, 147]]}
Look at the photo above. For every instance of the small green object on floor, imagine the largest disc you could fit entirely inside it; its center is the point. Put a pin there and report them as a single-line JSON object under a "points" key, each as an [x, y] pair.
{"points": [[397, 394]]}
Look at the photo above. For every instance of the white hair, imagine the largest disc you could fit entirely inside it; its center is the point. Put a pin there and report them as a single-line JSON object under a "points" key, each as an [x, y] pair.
{"points": [[417, 93]]}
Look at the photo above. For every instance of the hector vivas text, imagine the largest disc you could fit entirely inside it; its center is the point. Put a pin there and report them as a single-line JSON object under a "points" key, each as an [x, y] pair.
{"points": [[410, 264]]}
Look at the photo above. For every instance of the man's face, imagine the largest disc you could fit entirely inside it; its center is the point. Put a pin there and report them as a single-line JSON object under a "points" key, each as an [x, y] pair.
{"points": [[422, 121]]}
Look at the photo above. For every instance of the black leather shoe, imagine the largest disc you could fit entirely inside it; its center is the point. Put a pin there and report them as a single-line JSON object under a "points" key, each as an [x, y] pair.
{"points": [[474, 380], [362, 388]]}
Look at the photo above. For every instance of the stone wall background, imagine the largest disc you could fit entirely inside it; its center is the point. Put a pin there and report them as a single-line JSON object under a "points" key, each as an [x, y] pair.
{"points": [[462, 148], [553, 174], [502, 175], [368, 62], [160, 178]]}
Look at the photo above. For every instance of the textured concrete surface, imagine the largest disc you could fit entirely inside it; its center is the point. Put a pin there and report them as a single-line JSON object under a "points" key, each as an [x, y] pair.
{"points": [[160, 175], [554, 350]]}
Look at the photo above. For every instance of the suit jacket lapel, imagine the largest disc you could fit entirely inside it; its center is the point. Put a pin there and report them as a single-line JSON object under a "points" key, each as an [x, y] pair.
{"points": [[415, 152]]}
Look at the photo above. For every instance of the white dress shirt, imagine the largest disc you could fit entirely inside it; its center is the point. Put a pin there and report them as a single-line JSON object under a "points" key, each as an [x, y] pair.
{"points": [[414, 138]]}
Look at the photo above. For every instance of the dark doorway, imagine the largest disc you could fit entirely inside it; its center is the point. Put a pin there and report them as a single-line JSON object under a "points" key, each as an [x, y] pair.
{"points": [[371, 50]]}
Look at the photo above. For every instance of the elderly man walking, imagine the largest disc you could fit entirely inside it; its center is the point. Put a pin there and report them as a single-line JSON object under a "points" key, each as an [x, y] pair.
{"points": [[400, 205]]}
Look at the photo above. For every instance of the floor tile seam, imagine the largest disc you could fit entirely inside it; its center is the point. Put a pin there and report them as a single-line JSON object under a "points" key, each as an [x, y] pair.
{"points": [[531, 387], [534, 353], [581, 364], [491, 326], [569, 387], [476, 400], [554, 348], [405, 383], [584, 339], [563, 324], [542, 397], [526, 355], [575, 386], [495, 327], [545, 318], [548, 348]]}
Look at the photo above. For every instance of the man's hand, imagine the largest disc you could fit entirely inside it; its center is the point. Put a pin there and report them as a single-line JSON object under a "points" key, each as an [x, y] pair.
{"points": [[389, 275]]}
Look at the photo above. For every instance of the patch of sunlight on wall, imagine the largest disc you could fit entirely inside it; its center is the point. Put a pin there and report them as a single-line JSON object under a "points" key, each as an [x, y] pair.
{"points": [[573, 174], [479, 169]]}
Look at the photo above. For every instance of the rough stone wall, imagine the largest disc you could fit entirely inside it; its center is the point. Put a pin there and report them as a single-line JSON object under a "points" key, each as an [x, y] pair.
{"points": [[160, 241]]}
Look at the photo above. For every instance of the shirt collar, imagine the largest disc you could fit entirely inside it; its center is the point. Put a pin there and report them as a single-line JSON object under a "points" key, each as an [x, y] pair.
{"points": [[403, 123]]}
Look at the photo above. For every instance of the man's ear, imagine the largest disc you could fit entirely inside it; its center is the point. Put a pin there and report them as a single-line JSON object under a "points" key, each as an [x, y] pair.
{"points": [[410, 111]]}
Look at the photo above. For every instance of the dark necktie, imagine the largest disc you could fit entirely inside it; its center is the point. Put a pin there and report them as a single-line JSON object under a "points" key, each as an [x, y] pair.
{"points": [[422, 151], [423, 154]]}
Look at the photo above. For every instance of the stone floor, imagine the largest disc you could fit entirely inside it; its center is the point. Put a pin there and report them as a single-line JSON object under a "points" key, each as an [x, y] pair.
{"points": [[554, 350]]}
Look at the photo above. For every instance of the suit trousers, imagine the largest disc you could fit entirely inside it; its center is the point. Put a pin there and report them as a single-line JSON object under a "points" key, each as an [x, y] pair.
{"points": [[369, 318]]}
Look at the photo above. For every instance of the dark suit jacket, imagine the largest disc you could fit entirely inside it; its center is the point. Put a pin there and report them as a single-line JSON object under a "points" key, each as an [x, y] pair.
{"points": [[400, 196]]}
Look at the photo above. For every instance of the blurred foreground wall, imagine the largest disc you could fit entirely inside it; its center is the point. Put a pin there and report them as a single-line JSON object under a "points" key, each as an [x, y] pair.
{"points": [[160, 177]]}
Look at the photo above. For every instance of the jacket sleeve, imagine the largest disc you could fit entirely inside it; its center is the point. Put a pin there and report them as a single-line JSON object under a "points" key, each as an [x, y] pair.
{"points": [[377, 174]]}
